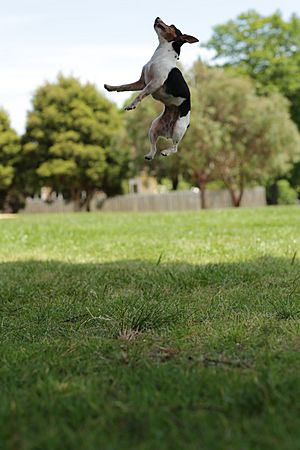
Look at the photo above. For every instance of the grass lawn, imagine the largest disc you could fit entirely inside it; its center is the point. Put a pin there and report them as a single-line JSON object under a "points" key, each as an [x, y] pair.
{"points": [[151, 331]]}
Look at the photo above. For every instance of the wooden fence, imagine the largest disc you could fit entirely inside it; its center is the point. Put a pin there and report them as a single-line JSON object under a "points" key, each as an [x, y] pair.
{"points": [[169, 201], [182, 201]]}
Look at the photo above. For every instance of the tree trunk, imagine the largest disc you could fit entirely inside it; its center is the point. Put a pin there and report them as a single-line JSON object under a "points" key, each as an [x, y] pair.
{"points": [[76, 197], [88, 201], [202, 186], [175, 182], [236, 198], [274, 194]]}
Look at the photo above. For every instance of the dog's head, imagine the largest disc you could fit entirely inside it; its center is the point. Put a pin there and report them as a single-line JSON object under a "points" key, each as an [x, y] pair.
{"points": [[169, 33]]}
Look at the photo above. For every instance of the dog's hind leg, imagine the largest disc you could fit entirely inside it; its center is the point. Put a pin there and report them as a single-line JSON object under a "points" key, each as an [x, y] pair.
{"points": [[165, 125], [154, 133], [179, 130]]}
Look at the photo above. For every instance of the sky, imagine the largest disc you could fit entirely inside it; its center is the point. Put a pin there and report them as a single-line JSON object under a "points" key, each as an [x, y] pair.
{"points": [[100, 41]]}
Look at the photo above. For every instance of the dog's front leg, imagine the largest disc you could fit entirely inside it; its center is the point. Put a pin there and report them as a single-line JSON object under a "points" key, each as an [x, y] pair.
{"points": [[151, 87], [136, 86]]}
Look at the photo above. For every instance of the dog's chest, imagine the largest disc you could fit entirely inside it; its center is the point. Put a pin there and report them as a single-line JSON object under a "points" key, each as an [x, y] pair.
{"points": [[157, 70], [160, 65], [162, 69]]}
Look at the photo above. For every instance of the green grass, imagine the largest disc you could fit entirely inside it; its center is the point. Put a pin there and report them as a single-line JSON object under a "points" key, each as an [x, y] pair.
{"points": [[174, 331]]}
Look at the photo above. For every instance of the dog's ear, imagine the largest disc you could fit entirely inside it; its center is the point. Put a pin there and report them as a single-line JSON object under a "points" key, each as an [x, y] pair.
{"points": [[188, 38]]}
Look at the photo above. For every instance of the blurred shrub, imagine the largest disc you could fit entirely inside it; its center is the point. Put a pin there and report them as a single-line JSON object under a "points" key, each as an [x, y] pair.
{"points": [[286, 194]]}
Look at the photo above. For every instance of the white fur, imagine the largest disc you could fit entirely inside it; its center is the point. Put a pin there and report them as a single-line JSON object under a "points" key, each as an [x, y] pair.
{"points": [[155, 73]]}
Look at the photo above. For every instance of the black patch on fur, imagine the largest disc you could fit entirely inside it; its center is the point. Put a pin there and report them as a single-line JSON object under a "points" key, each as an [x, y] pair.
{"points": [[178, 32], [177, 46], [184, 108], [176, 85]]}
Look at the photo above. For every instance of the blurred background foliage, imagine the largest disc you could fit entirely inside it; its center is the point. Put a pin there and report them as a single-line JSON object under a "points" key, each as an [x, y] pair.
{"points": [[244, 126]]}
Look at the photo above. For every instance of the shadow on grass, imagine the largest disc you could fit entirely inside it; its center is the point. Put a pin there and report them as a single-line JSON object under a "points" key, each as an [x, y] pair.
{"points": [[152, 355], [128, 297]]}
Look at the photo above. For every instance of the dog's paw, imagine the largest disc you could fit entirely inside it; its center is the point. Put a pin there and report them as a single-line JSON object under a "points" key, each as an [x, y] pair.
{"points": [[130, 107], [169, 151], [109, 88]]}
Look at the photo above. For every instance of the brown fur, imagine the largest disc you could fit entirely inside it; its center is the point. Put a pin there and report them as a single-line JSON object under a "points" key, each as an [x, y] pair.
{"points": [[168, 32], [168, 120]]}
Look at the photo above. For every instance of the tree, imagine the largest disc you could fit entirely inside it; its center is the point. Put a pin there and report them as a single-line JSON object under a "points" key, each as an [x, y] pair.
{"points": [[204, 137], [119, 163], [235, 135], [68, 141], [266, 48], [9, 156]]}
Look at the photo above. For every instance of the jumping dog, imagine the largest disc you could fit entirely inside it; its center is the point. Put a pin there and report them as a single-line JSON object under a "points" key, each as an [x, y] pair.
{"points": [[163, 80]]}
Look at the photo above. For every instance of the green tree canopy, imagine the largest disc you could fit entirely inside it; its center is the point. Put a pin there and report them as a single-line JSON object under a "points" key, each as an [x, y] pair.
{"points": [[9, 157], [235, 135], [266, 48], [68, 141]]}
